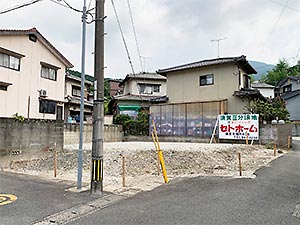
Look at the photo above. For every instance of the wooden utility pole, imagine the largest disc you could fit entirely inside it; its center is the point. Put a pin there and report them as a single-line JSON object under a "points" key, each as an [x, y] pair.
{"points": [[98, 110]]}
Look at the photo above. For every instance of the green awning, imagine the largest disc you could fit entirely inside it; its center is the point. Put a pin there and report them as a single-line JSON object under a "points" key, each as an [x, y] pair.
{"points": [[129, 107]]}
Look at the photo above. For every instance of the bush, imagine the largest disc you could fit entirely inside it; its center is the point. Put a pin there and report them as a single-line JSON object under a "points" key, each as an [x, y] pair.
{"points": [[134, 127]]}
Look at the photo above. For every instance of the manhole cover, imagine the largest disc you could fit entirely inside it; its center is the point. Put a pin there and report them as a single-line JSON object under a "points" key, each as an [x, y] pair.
{"points": [[7, 198]]}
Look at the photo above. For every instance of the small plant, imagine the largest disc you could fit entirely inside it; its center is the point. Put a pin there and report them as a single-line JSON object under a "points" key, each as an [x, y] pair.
{"points": [[18, 117]]}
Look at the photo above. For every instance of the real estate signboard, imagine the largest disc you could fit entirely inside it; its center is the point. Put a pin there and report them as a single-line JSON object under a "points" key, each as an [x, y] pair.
{"points": [[238, 126]]}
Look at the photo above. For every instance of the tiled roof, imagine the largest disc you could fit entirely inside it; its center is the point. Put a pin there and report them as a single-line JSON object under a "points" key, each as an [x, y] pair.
{"points": [[240, 60], [131, 97], [41, 38], [76, 100], [290, 94], [145, 76], [280, 83], [78, 75], [261, 85]]}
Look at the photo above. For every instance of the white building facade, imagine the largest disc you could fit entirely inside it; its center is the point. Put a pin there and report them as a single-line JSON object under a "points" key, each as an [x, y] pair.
{"points": [[32, 75]]}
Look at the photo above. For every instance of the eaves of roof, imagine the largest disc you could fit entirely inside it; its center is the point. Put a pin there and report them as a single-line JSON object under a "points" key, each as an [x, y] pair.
{"points": [[262, 85], [240, 61], [143, 76], [76, 74], [130, 97], [41, 38], [280, 83], [290, 94]]}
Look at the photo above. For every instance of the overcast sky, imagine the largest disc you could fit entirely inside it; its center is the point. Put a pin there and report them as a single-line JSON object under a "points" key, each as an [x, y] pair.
{"points": [[169, 32]]}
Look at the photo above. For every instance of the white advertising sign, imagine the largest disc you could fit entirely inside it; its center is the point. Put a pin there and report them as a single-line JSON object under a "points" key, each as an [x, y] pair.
{"points": [[238, 126]]}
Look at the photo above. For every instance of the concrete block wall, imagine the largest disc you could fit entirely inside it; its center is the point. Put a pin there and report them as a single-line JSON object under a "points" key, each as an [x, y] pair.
{"points": [[30, 137], [112, 133], [296, 130], [278, 132]]}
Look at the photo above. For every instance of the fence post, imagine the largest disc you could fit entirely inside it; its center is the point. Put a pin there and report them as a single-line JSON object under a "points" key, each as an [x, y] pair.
{"points": [[55, 160], [240, 163], [123, 171], [275, 147], [289, 142]]}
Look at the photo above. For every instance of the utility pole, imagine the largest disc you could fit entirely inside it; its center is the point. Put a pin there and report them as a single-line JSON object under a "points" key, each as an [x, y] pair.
{"points": [[79, 168], [218, 42], [98, 110]]}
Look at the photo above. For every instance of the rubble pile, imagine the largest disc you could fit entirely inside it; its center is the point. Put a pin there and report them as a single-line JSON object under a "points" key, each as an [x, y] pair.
{"points": [[181, 159]]}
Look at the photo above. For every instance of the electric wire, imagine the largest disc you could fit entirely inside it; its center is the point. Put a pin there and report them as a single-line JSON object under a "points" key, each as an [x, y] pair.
{"points": [[135, 35], [123, 37], [276, 23], [19, 6], [58, 3], [288, 7]]}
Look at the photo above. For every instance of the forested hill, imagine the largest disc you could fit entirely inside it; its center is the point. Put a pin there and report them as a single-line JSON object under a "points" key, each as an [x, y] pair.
{"points": [[261, 68]]}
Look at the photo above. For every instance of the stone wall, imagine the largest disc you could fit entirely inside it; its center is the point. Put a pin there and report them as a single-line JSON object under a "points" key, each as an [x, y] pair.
{"points": [[112, 133], [29, 138]]}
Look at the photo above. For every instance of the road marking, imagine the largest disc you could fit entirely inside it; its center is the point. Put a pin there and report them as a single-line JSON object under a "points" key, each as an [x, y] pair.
{"points": [[7, 198]]}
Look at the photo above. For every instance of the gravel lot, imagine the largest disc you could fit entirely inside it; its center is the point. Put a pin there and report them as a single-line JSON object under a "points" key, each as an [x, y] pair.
{"points": [[181, 159]]}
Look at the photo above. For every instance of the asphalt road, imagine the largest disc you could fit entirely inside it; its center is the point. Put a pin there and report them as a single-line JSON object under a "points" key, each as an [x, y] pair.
{"points": [[270, 198], [36, 198]]}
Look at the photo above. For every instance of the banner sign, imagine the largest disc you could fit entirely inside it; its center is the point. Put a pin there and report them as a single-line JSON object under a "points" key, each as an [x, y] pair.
{"points": [[238, 126]]}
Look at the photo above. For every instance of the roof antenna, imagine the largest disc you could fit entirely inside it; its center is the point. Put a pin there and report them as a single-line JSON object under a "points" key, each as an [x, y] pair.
{"points": [[218, 43]]}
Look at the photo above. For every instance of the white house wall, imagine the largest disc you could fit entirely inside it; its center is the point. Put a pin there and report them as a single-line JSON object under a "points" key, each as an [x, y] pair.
{"points": [[27, 82], [133, 88]]}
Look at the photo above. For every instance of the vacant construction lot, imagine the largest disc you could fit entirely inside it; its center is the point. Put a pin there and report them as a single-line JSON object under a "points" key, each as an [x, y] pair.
{"points": [[181, 160]]}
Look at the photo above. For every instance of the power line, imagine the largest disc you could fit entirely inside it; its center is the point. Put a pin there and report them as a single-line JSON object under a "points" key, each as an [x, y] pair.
{"points": [[19, 6], [135, 36], [288, 7], [276, 23], [77, 10], [122, 34]]}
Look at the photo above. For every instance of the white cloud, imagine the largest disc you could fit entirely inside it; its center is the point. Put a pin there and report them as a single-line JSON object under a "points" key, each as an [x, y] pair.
{"points": [[169, 32]]}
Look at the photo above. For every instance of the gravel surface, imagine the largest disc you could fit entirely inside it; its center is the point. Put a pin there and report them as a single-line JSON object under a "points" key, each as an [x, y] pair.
{"points": [[181, 159]]}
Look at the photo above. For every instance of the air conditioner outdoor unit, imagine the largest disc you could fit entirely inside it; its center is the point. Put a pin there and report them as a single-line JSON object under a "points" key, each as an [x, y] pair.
{"points": [[43, 93]]}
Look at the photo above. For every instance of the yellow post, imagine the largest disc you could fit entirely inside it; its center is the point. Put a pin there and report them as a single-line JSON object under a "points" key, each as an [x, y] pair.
{"points": [[159, 152], [246, 138], [158, 162]]}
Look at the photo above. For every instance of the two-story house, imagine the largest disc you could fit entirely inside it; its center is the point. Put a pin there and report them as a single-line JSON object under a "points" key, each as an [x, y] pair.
{"points": [[32, 75], [198, 92], [139, 91], [289, 90], [73, 94]]}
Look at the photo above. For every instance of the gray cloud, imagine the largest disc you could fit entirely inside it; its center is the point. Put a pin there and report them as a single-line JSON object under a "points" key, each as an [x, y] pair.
{"points": [[169, 32]]}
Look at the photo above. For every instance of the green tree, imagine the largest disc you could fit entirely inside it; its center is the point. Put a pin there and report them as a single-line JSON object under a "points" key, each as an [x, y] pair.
{"points": [[268, 110], [279, 72]]}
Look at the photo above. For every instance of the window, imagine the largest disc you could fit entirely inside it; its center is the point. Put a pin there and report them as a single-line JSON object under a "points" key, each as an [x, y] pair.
{"points": [[287, 88], [9, 61], [47, 106], [49, 71], [206, 79], [149, 88], [76, 91]]}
